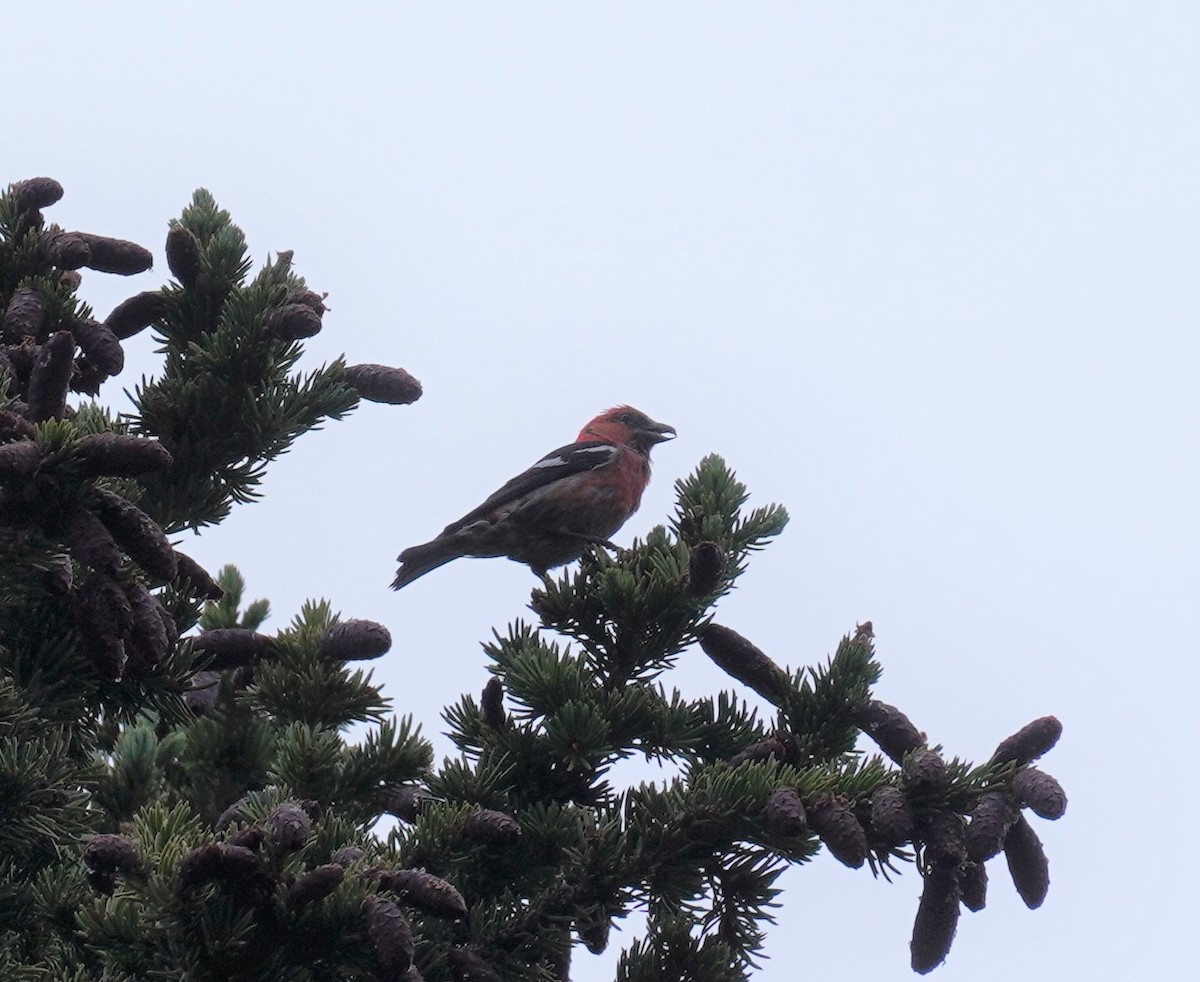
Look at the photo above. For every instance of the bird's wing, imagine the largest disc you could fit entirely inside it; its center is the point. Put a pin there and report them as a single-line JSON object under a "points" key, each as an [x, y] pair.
{"points": [[574, 458]]}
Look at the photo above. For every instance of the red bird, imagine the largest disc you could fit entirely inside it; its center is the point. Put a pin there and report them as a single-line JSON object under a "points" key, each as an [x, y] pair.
{"points": [[577, 495]]}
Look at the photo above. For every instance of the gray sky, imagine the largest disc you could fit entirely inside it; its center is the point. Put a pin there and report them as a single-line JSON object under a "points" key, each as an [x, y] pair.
{"points": [[924, 273]]}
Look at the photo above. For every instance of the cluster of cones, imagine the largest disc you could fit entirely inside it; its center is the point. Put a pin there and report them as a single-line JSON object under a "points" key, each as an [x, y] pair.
{"points": [[50, 346], [244, 867], [954, 836]]}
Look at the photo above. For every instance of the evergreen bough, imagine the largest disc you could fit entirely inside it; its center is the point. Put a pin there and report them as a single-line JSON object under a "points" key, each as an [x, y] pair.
{"points": [[178, 798]]}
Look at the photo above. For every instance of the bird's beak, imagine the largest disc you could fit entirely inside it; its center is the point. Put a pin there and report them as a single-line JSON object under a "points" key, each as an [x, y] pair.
{"points": [[658, 433]]}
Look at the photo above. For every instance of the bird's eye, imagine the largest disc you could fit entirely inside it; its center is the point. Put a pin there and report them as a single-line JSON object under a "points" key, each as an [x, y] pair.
{"points": [[626, 419]]}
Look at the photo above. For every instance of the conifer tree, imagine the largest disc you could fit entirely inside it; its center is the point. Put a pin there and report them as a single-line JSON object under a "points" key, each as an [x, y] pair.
{"points": [[178, 794]]}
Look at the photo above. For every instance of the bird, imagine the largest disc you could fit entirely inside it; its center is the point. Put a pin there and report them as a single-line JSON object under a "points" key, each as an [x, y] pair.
{"points": [[548, 515]]}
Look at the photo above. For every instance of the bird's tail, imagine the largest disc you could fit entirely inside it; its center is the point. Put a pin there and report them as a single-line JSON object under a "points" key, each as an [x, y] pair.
{"points": [[419, 560]]}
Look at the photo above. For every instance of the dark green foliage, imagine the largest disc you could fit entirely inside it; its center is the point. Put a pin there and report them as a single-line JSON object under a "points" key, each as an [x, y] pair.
{"points": [[189, 792], [700, 851], [106, 726], [228, 401]]}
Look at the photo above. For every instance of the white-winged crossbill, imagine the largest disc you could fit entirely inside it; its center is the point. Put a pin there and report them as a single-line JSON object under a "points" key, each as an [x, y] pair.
{"points": [[575, 496]]}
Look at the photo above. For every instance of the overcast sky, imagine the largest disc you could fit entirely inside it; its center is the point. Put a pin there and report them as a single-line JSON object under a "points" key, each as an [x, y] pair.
{"points": [[925, 273]]}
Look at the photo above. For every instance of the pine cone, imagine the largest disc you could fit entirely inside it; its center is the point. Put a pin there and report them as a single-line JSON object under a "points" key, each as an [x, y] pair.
{"points": [[1029, 742], [14, 426], [137, 313], [891, 816], [25, 315], [89, 541], [231, 647], [200, 865], [16, 362], [310, 298], [148, 639], [891, 730], [65, 250], [250, 838], [290, 826], [772, 748], [944, 834], [138, 535], [746, 663], [785, 813], [1027, 863], [973, 880], [183, 255], [355, 640], [41, 500], [380, 383], [924, 772], [936, 920], [87, 377], [109, 255], [390, 935], [36, 192], [99, 345], [488, 825], [50, 377], [119, 455], [237, 863], [991, 819], [19, 461], [1040, 792], [427, 892], [706, 566], [491, 704], [107, 853], [104, 618], [404, 803], [834, 821], [193, 579], [314, 885], [347, 856], [293, 321], [31, 220]]}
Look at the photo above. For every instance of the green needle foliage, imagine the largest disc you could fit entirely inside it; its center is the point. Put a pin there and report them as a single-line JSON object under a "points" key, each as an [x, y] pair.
{"points": [[183, 795], [229, 401]]}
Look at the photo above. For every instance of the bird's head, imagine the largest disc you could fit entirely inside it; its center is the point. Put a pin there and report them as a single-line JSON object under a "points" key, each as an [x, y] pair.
{"points": [[629, 427]]}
